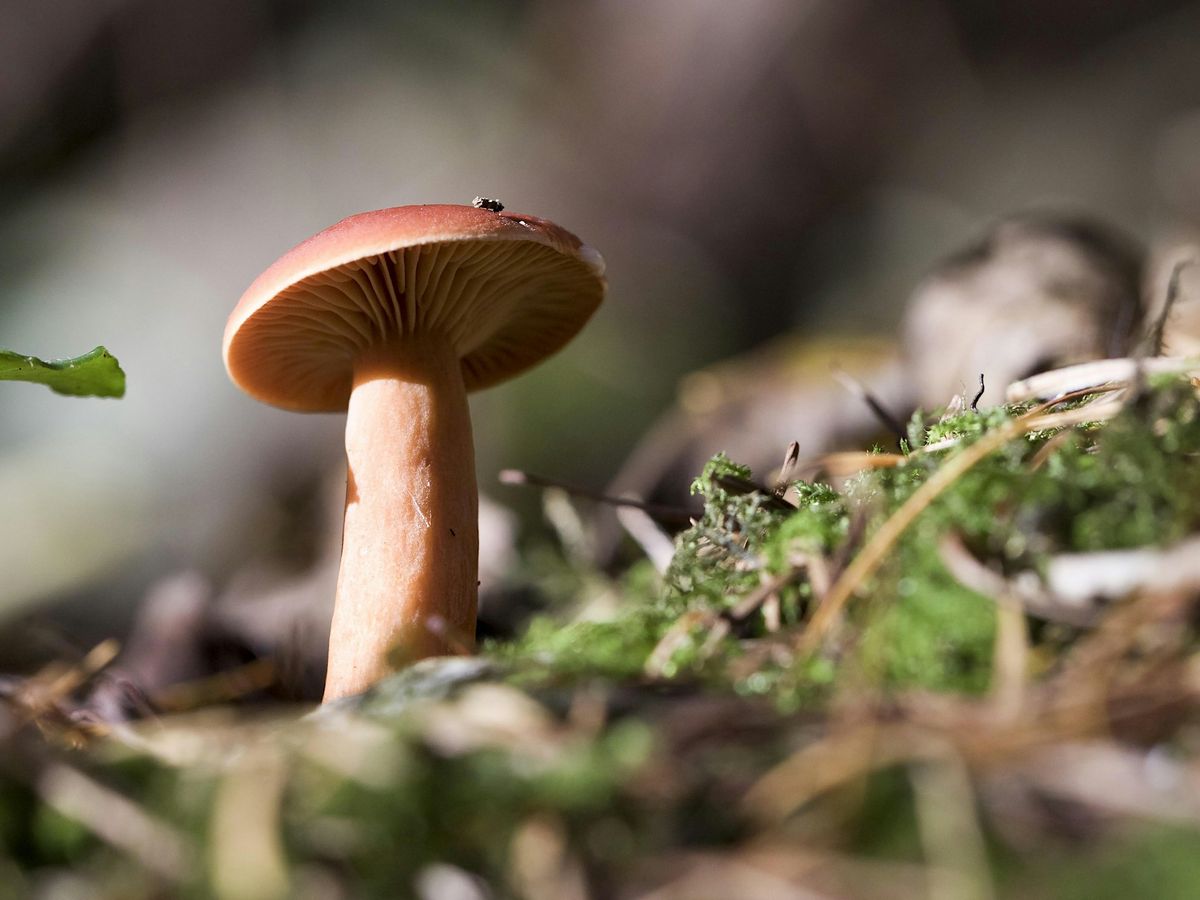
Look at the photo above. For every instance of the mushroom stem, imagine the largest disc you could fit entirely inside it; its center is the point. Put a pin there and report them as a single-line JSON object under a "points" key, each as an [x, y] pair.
{"points": [[407, 587]]}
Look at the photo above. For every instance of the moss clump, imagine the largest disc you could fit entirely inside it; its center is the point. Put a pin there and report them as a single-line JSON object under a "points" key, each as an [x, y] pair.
{"points": [[1140, 485], [743, 536], [1132, 482], [746, 533]]}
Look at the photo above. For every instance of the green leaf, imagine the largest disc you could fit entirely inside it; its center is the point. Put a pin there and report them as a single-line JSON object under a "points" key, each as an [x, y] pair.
{"points": [[95, 374]]}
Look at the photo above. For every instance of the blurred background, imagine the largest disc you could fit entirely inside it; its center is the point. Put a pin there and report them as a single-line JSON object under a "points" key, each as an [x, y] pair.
{"points": [[749, 170]]}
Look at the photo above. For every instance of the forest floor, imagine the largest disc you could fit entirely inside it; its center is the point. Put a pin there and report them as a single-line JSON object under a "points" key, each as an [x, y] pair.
{"points": [[965, 668]]}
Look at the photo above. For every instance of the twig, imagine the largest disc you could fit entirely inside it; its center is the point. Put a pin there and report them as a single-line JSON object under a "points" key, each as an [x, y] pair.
{"points": [[848, 462], [658, 510], [1094, 375], [976, 398], [97, 658], [1160, 324], [1083, 683], [741, 487], [790, 459], [750, 604], [859, 390], [573, 533], [843, 463], [42, 698], [1048, 449], [222, 687], [843, 756]]}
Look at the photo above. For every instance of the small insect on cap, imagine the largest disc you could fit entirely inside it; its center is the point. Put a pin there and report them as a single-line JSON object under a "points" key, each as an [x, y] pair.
{"points": [[505, 290]]}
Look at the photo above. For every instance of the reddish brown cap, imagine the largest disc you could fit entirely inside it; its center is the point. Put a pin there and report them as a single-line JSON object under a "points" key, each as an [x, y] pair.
{"points": [[505, 290]]}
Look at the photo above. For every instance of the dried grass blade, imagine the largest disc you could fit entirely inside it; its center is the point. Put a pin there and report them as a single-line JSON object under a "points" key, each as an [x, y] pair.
{"points": [[872, 555]]}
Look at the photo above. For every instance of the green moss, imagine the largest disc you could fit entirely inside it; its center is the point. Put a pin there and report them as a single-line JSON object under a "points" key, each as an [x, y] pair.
{"points": [[819, 524], [462, 809], [967, 425], [616, 649], [927, 631], [1131, 482], [1151, 861], [58, 838], [718, 557]]}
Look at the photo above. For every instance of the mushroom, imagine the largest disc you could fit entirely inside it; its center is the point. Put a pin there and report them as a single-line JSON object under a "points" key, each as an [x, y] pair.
{"points": [[394, 315]]}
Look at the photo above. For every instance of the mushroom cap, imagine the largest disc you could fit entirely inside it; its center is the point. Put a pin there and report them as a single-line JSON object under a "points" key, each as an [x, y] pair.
{"points": [[504, 290]]}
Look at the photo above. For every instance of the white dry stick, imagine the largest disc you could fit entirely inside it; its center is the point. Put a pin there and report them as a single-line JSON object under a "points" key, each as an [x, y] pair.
{"points": [[1077, 579], [655, 543], [568, 525], [1026, 587], [1045, 385], [1117, 780]]}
